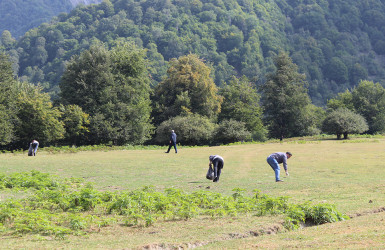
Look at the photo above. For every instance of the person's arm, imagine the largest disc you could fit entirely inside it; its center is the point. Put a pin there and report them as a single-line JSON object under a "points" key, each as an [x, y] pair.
{"points": [[285, 165]]}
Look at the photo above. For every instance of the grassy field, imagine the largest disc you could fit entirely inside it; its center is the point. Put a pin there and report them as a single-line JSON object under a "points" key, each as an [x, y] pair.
{"points": [[349, 174]]}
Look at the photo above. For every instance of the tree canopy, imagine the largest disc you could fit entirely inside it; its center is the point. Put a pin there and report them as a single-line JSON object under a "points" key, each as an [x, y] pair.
{"points": [[188, 89], [284, 99], [366, 99], [334, 43], [344, 122], [112, 86], [241, 102]]}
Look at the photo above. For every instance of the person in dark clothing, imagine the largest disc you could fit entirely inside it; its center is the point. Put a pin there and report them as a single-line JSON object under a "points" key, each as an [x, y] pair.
{"points": [[172, 142], [277, 158], [217, 162], [33, 146]]}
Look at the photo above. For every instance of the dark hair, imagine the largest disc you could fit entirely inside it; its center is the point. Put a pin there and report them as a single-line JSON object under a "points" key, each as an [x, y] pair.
{"points": [[289, 153]]}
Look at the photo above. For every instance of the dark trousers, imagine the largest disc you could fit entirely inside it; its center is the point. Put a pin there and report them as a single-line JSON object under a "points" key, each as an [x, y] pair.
{"points": [[218, 165], [172, 144]]}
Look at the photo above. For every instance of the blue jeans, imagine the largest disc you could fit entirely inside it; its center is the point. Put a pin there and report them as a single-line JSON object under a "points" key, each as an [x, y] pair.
{"points": [[275, 166]]}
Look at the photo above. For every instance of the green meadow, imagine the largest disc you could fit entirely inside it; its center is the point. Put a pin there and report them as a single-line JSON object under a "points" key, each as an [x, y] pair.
{"points": [[349, 174]]}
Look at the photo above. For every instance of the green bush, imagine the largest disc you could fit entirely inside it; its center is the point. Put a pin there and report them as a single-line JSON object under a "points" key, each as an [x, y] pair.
{"points": [[230, 131], [191, 130]]}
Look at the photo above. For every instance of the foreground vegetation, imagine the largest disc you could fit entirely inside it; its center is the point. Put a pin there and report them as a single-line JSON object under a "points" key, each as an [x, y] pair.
{"points": [[59, 209], [244, 204]]}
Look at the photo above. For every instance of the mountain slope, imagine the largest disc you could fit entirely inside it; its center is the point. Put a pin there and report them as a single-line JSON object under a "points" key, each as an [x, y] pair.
{"points": [[336, 43], [18, 16]]}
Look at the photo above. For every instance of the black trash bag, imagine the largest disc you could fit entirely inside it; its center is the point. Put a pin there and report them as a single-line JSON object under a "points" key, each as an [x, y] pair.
{"points": [[30, 150], [210, 173]]}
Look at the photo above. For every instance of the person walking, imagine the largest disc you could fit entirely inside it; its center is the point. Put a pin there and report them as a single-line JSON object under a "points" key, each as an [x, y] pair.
{"points": [[277, 158], [172, 142], [217, 162]]}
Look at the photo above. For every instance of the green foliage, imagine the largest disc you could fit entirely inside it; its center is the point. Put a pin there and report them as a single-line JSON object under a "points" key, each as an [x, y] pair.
{"points": [[343, 122], [191, 130], [37, 118], [285, 99], [76, 123], [70, 207], [34, 179], [13, 18], [299, 215], [241, 103], [230, 131], [236, 37], [113, 88], [7, 100], [187, 89], [366, 99], [337, 71]]}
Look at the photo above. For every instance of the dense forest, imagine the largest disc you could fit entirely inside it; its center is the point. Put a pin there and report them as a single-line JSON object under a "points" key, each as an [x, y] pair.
{"points": [[19, 16], [335, 43], [127, 71]]}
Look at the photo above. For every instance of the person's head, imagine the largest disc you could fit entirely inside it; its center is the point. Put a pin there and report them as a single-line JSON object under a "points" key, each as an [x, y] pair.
{"points": [[288, 155], [211, 157], [172, 131]]}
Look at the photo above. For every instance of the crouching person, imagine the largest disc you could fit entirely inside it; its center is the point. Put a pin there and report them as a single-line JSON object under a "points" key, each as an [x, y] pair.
{"points": [[34, 146], [217, 162]]}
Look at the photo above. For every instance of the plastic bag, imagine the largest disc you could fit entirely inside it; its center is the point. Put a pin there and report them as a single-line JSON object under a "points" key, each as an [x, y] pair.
{"points": [[210, 173]]}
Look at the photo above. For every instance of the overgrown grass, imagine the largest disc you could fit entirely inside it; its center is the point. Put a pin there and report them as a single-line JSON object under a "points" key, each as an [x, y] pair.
{"points": [[71, 207]]}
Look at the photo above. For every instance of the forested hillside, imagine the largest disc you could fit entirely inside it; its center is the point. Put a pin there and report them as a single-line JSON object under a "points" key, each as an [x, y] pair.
{"points": [[336, 43], [19, 16]]}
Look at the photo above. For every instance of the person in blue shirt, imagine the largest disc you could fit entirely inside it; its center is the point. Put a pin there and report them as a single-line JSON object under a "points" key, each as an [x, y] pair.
{"points": [[172, 142], [277, 158]]}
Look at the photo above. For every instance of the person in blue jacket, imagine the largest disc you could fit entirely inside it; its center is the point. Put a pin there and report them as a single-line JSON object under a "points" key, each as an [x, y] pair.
{"points": [[277, 158], [172, 142]]}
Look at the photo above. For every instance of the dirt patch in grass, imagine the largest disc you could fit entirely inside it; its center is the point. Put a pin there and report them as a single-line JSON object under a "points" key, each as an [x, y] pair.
{"points": [[274, 229], [374, 211]]}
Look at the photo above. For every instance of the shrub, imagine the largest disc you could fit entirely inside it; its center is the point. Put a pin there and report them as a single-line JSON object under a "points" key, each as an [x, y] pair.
{"points": [[191, 130], [230, 131]]}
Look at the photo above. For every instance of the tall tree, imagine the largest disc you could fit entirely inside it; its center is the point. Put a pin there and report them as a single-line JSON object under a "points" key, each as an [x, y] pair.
{"points": [[37, 118], [241, 103], [113, 87], [284, 98], [7, 100], [369, 101], [187, 89]]}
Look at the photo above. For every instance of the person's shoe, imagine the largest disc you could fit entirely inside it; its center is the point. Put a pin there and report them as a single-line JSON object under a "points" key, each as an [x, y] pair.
{"points": [[279, 181]]}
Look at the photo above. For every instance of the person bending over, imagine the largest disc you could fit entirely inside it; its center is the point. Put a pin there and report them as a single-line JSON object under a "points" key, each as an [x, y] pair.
{"points": [[217, 162], [277, 158]]}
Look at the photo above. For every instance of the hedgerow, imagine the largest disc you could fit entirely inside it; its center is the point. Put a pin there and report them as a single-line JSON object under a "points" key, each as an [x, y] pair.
{"points": [[68, 206]]}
